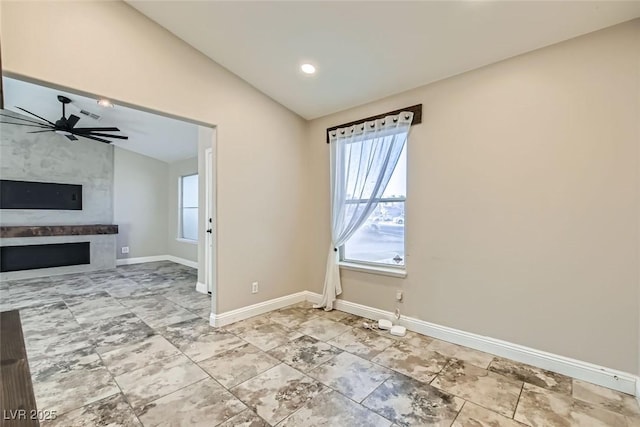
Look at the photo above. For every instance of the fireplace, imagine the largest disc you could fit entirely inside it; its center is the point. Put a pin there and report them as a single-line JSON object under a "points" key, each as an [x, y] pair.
{"points": [[42, 250], [56, 205], [32, 257]]}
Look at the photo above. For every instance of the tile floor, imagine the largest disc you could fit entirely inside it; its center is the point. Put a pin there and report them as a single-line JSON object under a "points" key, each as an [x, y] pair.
{"points": [[133, 346]]}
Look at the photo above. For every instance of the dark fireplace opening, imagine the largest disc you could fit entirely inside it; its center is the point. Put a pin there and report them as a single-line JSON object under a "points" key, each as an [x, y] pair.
{"points": [[31, 257]]}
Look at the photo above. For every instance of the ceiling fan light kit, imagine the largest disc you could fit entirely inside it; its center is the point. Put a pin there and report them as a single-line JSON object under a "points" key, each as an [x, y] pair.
{"points": [[105, 103], [65, 126]]}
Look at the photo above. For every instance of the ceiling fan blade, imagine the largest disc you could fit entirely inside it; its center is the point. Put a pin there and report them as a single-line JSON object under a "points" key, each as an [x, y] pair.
{"points": [[105, 135], [24, 124], [40, 131], [21, 118], [71, 137], [72, 120], [94, 138], [35, 115], [96, 129]]}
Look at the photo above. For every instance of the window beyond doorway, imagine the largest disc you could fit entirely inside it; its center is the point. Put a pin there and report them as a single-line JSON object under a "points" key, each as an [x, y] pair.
{"points": [[188, 207]]}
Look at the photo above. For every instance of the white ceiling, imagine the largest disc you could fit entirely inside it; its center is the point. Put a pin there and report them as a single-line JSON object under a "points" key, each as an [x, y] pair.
{"points": [[149, 134], [364, 51]]}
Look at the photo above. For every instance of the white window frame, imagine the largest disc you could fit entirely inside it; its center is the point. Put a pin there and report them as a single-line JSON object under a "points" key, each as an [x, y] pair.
{"points": [[180, 237]]}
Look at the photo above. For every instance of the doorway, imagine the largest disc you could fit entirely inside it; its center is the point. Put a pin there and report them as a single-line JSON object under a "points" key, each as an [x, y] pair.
{"points": [[142, 161]]}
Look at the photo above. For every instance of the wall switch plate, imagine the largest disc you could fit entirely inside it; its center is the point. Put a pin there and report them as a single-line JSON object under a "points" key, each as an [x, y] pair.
{"points": [[254, 288], [398, 295], [125, 249]]}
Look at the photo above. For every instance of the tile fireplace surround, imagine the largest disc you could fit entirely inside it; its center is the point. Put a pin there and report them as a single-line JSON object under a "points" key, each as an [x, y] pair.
{"points": [[101, 238]]}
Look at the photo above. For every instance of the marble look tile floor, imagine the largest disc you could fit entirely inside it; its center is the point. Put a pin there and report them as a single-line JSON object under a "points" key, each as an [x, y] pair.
{"points": [[133, 347]]}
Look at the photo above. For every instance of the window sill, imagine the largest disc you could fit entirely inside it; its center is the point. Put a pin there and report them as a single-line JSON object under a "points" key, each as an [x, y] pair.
{"points": [[181, 240], [373, 269]]}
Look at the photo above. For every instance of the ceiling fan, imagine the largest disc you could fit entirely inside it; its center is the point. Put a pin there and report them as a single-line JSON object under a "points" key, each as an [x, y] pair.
{"points": [[65, 125]]}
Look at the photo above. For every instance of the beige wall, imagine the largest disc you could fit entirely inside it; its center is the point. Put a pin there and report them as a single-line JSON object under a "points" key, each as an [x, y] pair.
{"points": [[176, 247], [259, 153], [140, 204], [522, 209], [638, 179]]}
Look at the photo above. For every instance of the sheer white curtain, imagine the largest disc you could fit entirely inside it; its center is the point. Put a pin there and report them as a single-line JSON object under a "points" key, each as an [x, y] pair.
{"points": [[363, 158]]}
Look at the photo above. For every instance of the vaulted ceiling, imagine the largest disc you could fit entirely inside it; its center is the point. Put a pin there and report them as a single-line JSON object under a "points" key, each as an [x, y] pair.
{"points": [[152, 135], [365, 51]]}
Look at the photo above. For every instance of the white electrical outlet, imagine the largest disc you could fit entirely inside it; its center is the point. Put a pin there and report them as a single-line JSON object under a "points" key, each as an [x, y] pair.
{"points": [[125, 249], [254, 288], [398, 295]]}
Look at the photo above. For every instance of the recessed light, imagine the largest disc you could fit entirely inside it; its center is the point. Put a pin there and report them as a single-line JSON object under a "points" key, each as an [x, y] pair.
{"points": [[105, 103], [308, 68]]}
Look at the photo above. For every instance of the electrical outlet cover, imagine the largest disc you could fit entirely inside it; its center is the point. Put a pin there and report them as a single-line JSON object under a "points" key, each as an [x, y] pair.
{"points": [[384, 324], [398, 330]]}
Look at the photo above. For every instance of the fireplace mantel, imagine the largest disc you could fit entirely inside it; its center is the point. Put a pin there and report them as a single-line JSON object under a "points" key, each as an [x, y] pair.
{"points": [[56, 230]]}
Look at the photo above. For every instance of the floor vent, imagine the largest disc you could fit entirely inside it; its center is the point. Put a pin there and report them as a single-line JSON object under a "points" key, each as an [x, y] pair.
{"points": [[90, 114]]}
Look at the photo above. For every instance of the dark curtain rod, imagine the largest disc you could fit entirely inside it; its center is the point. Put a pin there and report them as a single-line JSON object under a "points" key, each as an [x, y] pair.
{"points": [[415, 109]]}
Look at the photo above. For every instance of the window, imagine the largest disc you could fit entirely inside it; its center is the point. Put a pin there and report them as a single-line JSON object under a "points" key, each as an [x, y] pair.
{"points": [[380, 240], [189, 207]]}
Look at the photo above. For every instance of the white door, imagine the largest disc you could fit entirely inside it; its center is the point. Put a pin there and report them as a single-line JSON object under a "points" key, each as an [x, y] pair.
{"points": [[209, 248]]}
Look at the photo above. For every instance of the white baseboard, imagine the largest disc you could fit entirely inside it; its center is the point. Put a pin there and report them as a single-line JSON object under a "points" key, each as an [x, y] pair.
{"points": [[202, 288], [232, 316], [140, 260], [606, 377], [188, 263], [156, 258]]}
